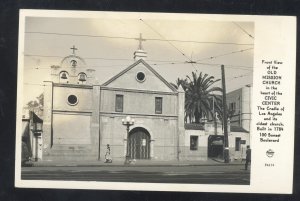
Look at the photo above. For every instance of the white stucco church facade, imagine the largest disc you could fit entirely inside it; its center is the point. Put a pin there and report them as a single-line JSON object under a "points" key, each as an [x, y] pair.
{"points": [[82, 117]]}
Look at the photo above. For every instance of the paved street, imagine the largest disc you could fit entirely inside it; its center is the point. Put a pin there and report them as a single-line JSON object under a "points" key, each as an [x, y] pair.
{"points": [[204, 174]]}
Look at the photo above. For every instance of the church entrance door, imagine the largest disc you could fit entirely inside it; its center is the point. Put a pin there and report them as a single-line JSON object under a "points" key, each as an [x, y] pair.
{"points": [[139, 144]]}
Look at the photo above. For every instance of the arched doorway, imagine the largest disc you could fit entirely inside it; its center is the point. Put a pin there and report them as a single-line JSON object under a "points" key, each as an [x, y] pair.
{"points": [[139, 143]]}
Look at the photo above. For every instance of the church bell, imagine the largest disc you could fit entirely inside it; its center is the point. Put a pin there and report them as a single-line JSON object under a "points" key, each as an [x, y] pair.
{"points": [[82, 77], [64, 76]]}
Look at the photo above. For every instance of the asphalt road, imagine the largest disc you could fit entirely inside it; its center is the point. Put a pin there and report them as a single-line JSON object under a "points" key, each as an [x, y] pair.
{"points": [[230, 174]]}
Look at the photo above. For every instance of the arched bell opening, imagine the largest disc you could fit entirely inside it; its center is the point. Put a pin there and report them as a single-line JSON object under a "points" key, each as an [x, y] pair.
{"points": [[63, 77], [82, 77]]}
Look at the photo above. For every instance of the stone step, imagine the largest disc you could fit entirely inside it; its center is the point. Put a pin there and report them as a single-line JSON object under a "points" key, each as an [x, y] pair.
{"points": [[70, 157], [60, 151], [72, 147]]}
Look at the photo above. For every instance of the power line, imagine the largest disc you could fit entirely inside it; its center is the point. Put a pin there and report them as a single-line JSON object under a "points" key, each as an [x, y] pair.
{"points": [[163, 62], [130, 38], [248, 68], [243, 30], [167, 41], [91, 66], [156, 64], [87, 58], [229, 79], [221, 55], [170, 63], [94, 58], [240, 76], [231, 65]]}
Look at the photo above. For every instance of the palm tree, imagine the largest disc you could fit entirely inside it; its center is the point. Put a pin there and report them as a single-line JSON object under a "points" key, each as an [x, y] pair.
{"points": [[182, 82], [199, 94]]}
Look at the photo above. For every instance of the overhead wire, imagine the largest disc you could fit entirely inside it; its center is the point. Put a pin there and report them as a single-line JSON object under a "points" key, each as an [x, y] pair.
{"points": [[248, 68], [160, 62], [226, 54], [94, 58], [239, 26], [229, 79], [239, 76], [163, 62], [131, 38], [91, 66], [167, 41]]}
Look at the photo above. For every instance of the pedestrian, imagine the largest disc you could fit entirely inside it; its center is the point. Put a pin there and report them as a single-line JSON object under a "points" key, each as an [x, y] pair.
{"points": [[107, 155], [248, 157]]}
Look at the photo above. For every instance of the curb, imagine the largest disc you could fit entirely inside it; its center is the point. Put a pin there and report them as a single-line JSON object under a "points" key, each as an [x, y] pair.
{"points": [[133, 165]]}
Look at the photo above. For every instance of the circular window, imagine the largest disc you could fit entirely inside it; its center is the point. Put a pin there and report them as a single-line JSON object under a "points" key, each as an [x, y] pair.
{"points": [[72, 100], [140, 76]]}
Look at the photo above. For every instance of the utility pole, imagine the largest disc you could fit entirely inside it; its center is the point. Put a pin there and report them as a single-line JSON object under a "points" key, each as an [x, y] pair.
{"points": [[215, 117], [226, 148]]}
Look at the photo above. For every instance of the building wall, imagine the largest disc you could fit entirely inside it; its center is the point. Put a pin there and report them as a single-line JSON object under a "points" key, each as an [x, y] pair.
{"points": [[201, 152], [246, 113], [236, 98], [47, 120], [242, 99], [163, 145], [69, 131], [241, 154], [137, 102], [140, 105], [83, 93], [71, 123]]}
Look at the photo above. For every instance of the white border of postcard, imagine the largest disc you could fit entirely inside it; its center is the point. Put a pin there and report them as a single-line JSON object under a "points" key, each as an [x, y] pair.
{"points": [[275, 38]]}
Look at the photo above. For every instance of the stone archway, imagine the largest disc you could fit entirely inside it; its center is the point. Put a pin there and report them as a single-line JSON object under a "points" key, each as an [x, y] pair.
{"points": [[139, 143]]}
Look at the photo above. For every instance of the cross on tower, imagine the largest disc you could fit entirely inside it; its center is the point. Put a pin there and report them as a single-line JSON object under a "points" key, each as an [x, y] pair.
{"points": [[140, 39], [74, 49]]}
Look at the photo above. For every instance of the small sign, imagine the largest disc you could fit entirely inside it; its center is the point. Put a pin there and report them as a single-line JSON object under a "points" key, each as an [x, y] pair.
{"points": [[143, 142], [243, 141]]}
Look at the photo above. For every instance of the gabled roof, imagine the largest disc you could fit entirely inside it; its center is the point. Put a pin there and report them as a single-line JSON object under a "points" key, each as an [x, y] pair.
{"points": [[147, 66]]}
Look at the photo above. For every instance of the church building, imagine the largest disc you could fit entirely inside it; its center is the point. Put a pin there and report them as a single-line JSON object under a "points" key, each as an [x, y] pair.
{"points": [[136, 112]]}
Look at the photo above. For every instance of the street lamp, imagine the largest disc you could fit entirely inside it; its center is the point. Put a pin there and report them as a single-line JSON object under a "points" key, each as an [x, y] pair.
{"points": [[127, 122]]}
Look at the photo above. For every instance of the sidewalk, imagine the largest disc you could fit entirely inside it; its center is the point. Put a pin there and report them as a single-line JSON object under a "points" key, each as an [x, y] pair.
{"points": [[137, 163]]}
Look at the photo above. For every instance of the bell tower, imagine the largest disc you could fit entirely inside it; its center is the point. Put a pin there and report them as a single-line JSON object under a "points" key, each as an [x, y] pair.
{"points": [[72, 70], [71, 117]]}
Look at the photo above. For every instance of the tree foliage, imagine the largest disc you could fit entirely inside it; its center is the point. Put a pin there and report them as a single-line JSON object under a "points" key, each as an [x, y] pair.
{"points": [[36, 105], [200, 96]]}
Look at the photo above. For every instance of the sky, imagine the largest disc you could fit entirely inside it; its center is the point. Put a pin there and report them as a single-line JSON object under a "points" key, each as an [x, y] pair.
{"points": [[107, 45]]}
